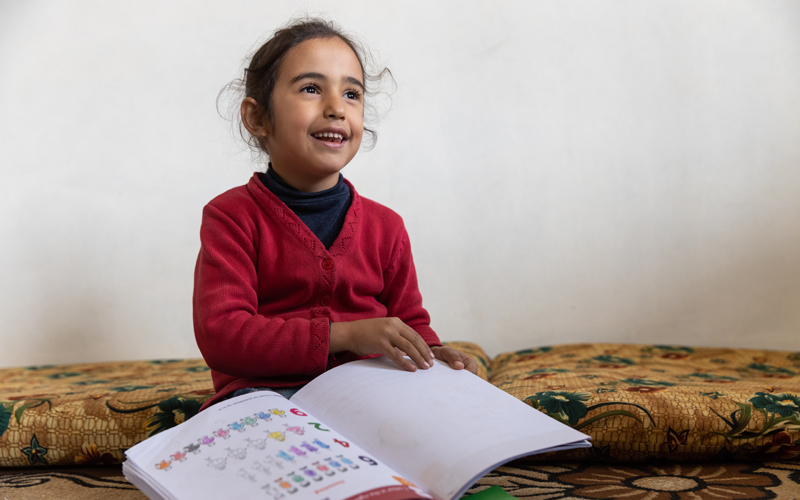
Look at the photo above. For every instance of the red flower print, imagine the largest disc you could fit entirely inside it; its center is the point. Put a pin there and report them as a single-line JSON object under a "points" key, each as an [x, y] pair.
{"points": [[781, 448]]}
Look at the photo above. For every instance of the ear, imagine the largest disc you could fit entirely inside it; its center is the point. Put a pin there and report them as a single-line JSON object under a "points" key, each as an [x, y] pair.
{"points": [[253, 119]]}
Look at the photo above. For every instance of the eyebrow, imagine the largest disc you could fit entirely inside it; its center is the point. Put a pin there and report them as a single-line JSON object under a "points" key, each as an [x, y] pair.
{"points": [[320, 76]]}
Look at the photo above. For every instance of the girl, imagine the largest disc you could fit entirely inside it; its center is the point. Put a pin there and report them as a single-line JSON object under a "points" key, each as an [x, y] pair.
{"points": [[297, 273]]}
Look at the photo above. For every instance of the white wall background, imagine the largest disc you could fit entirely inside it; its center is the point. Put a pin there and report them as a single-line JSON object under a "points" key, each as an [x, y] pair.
{"points": [[616, 171]]}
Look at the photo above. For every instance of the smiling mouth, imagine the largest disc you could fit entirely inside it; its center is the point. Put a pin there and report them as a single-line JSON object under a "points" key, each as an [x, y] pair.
{"points": [[329, 137]]}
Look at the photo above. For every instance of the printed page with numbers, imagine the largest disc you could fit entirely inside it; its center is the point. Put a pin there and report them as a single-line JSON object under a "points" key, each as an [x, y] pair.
{"points": [[366, 430], [260, 446]]}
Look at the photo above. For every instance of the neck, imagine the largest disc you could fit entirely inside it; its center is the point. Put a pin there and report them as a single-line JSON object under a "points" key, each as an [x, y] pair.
{"points": [[304, 183]]}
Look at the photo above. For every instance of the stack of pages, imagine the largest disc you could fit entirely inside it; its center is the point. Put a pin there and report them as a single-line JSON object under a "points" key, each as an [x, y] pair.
{"points": [[366, 430]]}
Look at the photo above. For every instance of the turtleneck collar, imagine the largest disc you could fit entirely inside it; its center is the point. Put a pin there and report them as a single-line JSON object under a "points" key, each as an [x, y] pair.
{"points": [[323, 212]]}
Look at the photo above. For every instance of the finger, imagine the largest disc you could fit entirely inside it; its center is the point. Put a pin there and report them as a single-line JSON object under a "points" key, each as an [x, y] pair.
{"points": [[399, 360], [407, 345], [469, 363], [452, 357], [419, 343]]}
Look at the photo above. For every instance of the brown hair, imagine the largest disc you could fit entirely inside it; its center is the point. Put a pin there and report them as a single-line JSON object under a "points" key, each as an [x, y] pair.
{"points": [[258, 80]]}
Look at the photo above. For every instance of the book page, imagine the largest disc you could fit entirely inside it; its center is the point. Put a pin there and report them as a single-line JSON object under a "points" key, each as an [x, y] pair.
{"points": [[441, 428], [260, 445]]}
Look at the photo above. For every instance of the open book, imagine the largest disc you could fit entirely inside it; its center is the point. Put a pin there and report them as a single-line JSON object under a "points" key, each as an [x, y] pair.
{"points": [[366, 430]]}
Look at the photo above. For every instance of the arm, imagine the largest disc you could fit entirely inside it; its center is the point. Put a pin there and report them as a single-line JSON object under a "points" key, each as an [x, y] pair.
{"points": [[404, 330], [233, 338], [402, 297], [401, 294]]}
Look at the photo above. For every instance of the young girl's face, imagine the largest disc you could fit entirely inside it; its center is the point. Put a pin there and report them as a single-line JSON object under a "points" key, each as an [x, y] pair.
{"points": [[317, 114]]}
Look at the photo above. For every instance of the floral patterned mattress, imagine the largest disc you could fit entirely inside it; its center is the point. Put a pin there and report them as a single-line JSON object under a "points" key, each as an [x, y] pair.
{"points": [[640, 403]]}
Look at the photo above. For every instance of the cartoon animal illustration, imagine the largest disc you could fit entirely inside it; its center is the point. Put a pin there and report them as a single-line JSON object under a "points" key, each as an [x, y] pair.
{"points": [[250, 421], [278, 413], [217, 463], [286, 485], [297, 478], [237, 426], [321, 444], [258, 444], [274, 463], [179, 456], [347, 461], [164, 465], [277, 435], [237, 453], [272, 491], [309, 447], [209, 441], [296, 429], [285, 456], [339, 466], [310, 473], [222, 433], [258, 466], [193, 448], [297, 451], [318, 426], [323, 468], [263, 416], [246, 475]]}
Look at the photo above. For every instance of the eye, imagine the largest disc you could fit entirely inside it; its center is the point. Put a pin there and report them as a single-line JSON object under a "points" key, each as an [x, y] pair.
{"points": [[353, 94], [310, 89]]}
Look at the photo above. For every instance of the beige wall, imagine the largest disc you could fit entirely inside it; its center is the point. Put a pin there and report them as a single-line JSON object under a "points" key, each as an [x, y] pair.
{"points": [[617, 171]]}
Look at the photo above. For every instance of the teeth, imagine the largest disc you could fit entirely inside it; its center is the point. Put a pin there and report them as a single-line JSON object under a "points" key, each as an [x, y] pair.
{"points": [[340, 137]]}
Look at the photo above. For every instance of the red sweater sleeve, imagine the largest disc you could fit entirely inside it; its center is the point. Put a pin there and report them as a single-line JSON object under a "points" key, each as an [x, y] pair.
{"points": [[401, 294], [233, 338]]}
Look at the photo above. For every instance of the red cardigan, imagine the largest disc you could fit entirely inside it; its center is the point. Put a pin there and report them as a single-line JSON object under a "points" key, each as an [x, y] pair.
{"points": [[266, 289]]}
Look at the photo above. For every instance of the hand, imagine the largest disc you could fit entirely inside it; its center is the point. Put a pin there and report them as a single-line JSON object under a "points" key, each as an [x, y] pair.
{"points": [[388, 336], [455, 358]]}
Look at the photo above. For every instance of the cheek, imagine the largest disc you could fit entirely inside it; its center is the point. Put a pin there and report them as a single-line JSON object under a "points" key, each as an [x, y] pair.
{"points": [[357, 127], [291, 121], [297, 123]]}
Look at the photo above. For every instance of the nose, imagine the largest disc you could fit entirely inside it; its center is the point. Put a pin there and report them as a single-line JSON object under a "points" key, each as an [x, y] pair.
{"points": [[334, 107]]}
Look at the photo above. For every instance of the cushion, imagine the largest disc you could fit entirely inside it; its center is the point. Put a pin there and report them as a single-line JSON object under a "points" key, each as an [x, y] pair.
{"points": [[91, 413], [662, 402], [638, 402]]}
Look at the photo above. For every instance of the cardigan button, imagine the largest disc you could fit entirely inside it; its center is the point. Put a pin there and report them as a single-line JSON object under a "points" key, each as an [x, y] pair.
{"points": [[325, 300], [327, 264]]}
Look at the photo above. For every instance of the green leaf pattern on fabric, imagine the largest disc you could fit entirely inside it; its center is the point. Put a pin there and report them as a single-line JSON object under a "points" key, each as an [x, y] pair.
{"points": [[35, 452]]}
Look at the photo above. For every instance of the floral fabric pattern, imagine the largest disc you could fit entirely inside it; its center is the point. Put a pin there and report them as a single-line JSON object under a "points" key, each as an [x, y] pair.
{"points": [[677, 481], [658, 402], [91, 413], [639, 403]]}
